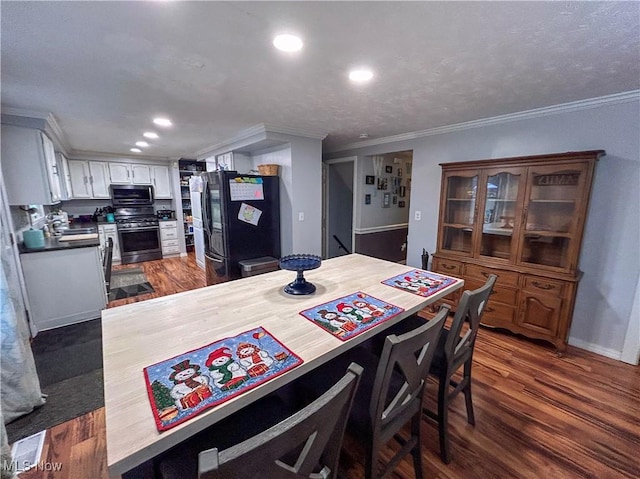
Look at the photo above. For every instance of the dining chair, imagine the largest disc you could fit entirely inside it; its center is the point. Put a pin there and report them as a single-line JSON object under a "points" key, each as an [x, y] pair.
{"points": [[307, 444], [107, 261], [455, 350], [390, 393], [248, 443], [396, 396]]}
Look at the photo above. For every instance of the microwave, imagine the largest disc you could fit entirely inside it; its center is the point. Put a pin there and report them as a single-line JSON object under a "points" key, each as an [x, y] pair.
{"points": [[131, 195]]}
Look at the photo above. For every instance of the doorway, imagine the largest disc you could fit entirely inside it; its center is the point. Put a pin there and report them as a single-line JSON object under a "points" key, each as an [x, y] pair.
{"points": [[339, 193]]}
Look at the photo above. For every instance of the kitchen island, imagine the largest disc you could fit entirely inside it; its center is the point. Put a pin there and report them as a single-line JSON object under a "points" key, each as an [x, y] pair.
{"points": [[141, 334], [64, 282]]}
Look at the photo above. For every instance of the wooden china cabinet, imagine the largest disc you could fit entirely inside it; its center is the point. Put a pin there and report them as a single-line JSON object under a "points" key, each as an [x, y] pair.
{"points": [[521, 219]]}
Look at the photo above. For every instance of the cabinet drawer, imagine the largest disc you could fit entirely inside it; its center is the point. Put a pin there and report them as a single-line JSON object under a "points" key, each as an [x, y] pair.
{"points": [[168, 243], [168, 234], [498, 313], [505, 278], [111, 229], [164, 225], [446, 266], [499, 294], [537, 284], [170, 249]]}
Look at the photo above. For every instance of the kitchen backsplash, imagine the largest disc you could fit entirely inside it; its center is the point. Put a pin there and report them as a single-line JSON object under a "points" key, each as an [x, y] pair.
{"points": [[88, 207]]}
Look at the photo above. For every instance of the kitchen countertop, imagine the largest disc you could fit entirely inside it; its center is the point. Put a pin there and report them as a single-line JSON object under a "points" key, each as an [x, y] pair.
{"points": [[52, 243]]}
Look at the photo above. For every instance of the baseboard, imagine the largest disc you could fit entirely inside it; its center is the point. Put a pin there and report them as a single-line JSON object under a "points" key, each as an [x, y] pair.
{"points": [[594, 348]]}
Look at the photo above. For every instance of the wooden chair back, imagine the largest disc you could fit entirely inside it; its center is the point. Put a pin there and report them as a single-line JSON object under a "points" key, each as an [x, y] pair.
{"points": [[458, 347], [307, 444], [410, 355]]}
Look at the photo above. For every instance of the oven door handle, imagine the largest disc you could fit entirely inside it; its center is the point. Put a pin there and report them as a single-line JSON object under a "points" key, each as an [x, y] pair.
{"points": [[133, 230]]}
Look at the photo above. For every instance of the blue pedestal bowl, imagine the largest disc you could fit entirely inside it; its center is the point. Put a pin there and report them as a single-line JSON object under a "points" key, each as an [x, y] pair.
{"points": [[300, 263]]}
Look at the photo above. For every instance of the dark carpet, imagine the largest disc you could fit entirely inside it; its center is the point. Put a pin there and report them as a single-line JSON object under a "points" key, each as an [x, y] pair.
{"points": [[69, 365]]}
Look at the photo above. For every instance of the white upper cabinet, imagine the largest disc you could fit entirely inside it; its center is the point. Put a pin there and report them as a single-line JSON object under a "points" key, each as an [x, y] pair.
{"points": [[161, 182], [140, 175], [120, 173], [29, 167], [89, 179]]}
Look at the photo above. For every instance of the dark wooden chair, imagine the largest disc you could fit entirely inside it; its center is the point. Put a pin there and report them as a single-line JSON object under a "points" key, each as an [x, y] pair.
{"points": [[396, 396], [306, 444], [390, 393], [455, 350], [107, 260]]}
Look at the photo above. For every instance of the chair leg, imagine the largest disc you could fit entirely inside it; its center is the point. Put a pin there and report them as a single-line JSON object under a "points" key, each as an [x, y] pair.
{"points": [[417, 449], [467, 394], [370, 462], [443, 418]]}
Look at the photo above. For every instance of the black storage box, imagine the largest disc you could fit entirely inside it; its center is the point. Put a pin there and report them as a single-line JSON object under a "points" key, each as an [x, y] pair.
{"points": [[253, 267]]}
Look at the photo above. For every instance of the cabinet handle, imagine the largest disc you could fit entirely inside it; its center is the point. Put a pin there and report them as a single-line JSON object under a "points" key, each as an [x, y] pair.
{"points": [[128, 176], [85, 180], [91, 179], [541, 285], [449, 267]]}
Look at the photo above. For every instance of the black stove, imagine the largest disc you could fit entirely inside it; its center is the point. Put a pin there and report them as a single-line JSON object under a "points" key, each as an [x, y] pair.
{"points": [[139, 234]]}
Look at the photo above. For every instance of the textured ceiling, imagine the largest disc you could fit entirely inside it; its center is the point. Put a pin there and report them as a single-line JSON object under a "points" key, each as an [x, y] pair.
{"points": [[105, 68]]}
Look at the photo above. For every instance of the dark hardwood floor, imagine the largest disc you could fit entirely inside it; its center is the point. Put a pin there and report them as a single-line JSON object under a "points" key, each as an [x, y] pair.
{"points": [[537, 415]]}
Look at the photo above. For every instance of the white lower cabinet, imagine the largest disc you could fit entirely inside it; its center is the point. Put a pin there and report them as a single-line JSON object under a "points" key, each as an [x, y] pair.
{"points": [[64, 286], [110, 231], [169, 238]]}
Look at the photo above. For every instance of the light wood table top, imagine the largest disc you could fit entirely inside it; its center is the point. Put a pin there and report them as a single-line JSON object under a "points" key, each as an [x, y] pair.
{"points": [[140, 334]]}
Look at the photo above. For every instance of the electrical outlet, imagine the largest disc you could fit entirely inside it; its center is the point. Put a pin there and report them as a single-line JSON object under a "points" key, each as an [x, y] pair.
{"points": [[417, 215], [301, 216]]}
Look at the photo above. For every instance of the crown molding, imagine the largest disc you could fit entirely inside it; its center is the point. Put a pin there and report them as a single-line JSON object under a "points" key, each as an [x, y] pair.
{"points": [[624, 97], [98, 155], [255, 135], [45, 121]]}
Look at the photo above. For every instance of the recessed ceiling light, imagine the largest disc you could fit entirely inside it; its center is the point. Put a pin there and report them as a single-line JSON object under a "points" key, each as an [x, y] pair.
{"points": [[360, 76], [151, 135], [142, 144], [287, 43], [162, 121], [136, 150]]}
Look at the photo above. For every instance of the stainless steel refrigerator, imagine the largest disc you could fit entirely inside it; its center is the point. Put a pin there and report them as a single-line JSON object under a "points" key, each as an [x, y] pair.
{"points": [[241, 220]]}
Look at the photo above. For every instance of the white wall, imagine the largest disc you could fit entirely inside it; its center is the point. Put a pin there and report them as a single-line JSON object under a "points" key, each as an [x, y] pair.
{"points": [[282, 157], [610, 257], [306, 161]]}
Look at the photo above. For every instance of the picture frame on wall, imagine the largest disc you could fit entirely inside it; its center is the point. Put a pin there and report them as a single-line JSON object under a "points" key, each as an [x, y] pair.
{"points": [[388, 169], [394, 199], [386, 200], [367, 199], [399, 172], [401, 204], [402, 191], [369, 180], [382, 183]]}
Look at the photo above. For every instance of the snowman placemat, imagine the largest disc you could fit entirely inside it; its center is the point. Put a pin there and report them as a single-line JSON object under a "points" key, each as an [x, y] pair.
{"points": [[351, 315], [422, 283], [185, 385]]}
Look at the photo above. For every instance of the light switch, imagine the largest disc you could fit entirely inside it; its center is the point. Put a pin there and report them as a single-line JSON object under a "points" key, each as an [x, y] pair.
{"points": [[417, 216], [301, 216]]}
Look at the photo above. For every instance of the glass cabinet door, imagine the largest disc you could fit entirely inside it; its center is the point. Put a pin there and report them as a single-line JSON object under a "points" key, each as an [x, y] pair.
{"points": [[551, 214], [502, 211], [461, 190]]}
